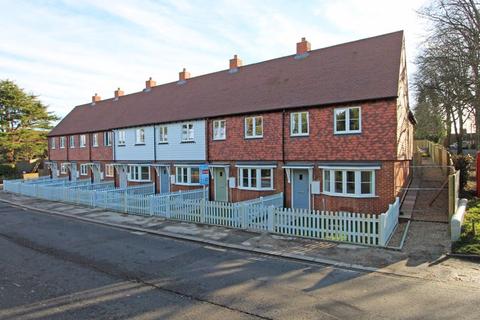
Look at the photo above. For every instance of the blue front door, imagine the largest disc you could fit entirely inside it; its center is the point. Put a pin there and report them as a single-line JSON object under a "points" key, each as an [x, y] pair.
{"points": [[300, 191], [164, 180]]}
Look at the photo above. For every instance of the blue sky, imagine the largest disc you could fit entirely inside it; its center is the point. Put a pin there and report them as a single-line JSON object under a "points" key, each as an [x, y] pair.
{"points": [[65, 51]]}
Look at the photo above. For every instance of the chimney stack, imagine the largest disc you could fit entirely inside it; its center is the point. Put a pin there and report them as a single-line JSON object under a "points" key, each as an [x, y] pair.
{"points": [[183, 75], [235, 63], [96, 98], [149, 84], [118, 93], [303, 47]]}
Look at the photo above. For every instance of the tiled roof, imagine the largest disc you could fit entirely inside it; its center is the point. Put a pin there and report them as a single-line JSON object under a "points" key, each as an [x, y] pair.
{"points": [[355, 71]]}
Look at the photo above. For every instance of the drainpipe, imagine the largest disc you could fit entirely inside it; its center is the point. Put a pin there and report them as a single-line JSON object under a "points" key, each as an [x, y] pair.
{"points": [[155, 178], [283, 160]]}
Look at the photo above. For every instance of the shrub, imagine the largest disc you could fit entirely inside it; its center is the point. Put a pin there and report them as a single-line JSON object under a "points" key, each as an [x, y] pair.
{"points": [[464, 163]]}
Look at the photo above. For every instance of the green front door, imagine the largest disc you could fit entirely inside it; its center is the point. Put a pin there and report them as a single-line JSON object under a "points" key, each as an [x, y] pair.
{"points": [[220, 180]]}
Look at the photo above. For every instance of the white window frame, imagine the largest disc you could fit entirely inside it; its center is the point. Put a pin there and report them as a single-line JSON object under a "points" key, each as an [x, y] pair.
{"points": [[140, 136], [188, 132], [71, 142], [188, 182], [109, 170], [63, 168], [83, 169], [95, 140], [107, 138], [347, 120], [52, 143], [162, 134], [135, 173], [122, 137], [300, 122], [218, 134], [254, 131], [358, 171], [63, 141], [258, 176], [83, 141]]}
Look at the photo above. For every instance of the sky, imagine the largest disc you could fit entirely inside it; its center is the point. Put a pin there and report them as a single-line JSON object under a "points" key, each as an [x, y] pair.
{"points": [[65, 51]]}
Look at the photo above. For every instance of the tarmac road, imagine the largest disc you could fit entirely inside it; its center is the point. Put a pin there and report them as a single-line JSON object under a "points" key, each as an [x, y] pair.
{"points": [[57, 268]]}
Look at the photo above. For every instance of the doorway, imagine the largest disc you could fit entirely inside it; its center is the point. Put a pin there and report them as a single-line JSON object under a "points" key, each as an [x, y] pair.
{"points": [[300, 189], [220, 179]]}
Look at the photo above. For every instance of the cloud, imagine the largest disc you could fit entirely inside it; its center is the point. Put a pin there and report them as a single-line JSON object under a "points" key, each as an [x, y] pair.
{"points": [[65, 51]]}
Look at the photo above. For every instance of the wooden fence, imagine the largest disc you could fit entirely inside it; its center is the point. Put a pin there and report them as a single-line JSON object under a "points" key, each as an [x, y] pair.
{"points": [[260, 215]]}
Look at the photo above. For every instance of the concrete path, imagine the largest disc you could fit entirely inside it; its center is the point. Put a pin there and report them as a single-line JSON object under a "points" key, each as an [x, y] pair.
{"points": [[423, 256], [53, 267]]}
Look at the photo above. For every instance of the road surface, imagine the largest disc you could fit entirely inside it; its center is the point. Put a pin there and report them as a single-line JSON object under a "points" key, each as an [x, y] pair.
{"points": [[58, 268]]}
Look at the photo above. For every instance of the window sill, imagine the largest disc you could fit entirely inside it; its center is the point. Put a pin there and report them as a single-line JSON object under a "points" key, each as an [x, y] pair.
{"points": [[94, 146], [129, 180], [343, 195], [83, 147], [187, 141], [255, 189], [139, 144], [187, 184], [121, 145], [299, 135], [219, 139], [340, 133], [253, 138], [163, 142]]}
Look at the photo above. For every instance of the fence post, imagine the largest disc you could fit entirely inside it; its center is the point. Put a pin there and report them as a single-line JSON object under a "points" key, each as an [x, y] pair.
{"points": [[381, 229], [125, 201], [151, 204], [202, 210], [167, 206], [270, 218], [243, 216]]}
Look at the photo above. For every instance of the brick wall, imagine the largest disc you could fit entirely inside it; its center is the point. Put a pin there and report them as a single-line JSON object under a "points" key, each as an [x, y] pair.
{"points": [[87, 153]]}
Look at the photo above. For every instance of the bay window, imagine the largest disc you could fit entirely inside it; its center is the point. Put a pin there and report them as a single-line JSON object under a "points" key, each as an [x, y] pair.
{"points": [[187, 175], [349, 182], [347, 120], [138, 173], [252, 178]]}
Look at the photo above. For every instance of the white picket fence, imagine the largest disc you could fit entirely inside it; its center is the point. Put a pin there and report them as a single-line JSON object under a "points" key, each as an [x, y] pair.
{"points": [[263, 214]]}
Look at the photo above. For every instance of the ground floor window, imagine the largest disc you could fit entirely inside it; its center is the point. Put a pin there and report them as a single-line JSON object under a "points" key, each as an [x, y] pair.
{"points": [[349, 182], [252, 178], [83, 169], [63, 168], [187, 175], [138, 173], [109, 170]]}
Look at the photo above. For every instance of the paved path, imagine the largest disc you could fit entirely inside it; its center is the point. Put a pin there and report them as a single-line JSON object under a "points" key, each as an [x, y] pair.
{"points": [[58, 268]]}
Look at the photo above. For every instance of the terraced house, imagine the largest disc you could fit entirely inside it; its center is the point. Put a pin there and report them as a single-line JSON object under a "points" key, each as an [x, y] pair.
{"points": [[330, 128]]}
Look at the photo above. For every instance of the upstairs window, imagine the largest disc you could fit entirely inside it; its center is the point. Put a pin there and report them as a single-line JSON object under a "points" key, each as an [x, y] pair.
{"points": [[107, 138], [138, 173], [254, 127], [219, 129], [71, 141], [347, 120], [140, 136], [62, 142], [163, 134], [255, 178], [121, 137], [52, 143], [187, 132], [299, 125], [349, 183], [83, 141], [95, 140]]}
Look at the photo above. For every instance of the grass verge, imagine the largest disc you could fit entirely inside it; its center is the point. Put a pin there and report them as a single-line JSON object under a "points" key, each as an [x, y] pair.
{"points": [[469, 242]]}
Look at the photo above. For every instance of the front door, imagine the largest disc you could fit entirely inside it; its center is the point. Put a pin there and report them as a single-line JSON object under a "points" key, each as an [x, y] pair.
{"points": [[300, 191], [73, 172], [96, 173], [220, 180], [122, 176], [164, 180]]}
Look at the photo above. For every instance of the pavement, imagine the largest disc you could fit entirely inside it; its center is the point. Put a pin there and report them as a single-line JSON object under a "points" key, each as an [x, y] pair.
{"points": [[56, 267], [424, 255]]}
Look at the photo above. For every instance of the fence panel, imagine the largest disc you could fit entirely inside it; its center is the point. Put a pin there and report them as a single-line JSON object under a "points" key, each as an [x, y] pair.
{"points": [[222, 214]]}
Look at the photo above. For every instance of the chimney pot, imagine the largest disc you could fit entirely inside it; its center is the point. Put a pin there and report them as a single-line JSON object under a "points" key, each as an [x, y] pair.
{"points": [[183, 75], [303, 46], [96, 98], [235, 63], [150, 83], [118, 93]]}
